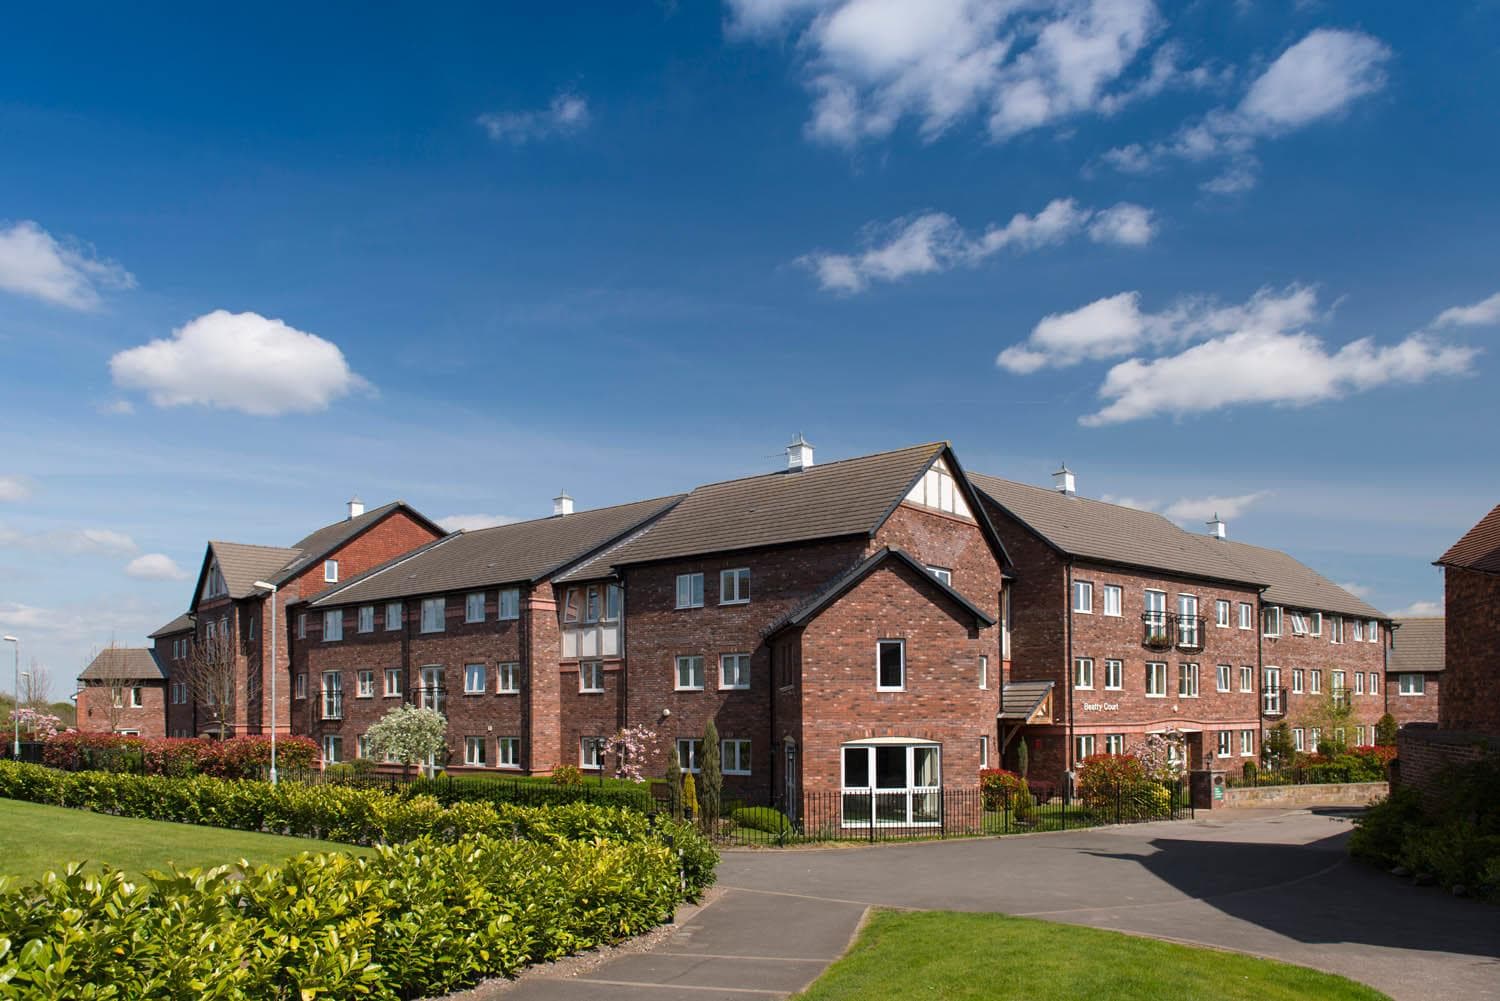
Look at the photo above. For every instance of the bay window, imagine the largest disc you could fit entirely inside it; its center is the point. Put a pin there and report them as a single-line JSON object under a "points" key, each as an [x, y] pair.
{"points": [[892, 783]]}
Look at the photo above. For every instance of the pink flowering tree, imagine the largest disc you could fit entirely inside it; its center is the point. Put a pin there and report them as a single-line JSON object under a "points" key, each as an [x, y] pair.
{"points": [[1161, 755], [631, 746], [39, 724]]}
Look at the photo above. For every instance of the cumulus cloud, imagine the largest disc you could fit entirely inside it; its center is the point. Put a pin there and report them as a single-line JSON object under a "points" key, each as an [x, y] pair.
{"points": [[1358, 590], [566, 114], [74, 542], [14, 489], [155, 566], [1316, 79], [1204, 508], [870, 64], [935, 242], [473, 522], [1420, 610], [62, 272], [238, 361], [1484, 313]]}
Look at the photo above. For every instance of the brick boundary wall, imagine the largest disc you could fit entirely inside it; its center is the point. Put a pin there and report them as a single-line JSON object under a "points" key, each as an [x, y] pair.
{"points": [[1423, 752], [1330, 794]]}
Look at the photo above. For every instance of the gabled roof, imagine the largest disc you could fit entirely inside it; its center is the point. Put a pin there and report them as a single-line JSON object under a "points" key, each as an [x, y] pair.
{"points": [[1112, 533], [242, 565], [845, 582], [847, 497], [1294, 584], [522, 552], [181, 624], [124, 664], [325, 540], [1418, 645], [1019, 699], [1479, 549]]}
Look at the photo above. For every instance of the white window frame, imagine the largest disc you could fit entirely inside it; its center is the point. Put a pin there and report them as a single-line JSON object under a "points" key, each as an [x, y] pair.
{"points": [[474, 606], [879, 646], [1083, 597], [737, 750], [1189, 680], [1359, 682], [687, 660], [1083, 673], [1269, 615], [1299, 739], [1247, 743], [1247, 678], [1114, 675], [333, 625], [333, 748], [1084, 746], [1315, 622], [364, 683], [302, 625], [473, 745], [137, 697], [510, 604], [689, 590], [393, 615], [735, 581], [1315, 681], [1225, 747], [1156, 679], [1299, 681], [434, 615], [1247, 615], [476, 679], [1372, 630], [1359, 630], [507, 752], [300, 686], [1114, 743], [907, 795], [362, 746], [389, 675], [593, 604], [943, 574], [984, 672], [1336, 629], [1411, 684], [591, 677], [741, 671], [1223, 677], [508, 678], [366, 621], [1114, 601], [984, 751], [330, 571], [1223, 612], [690, 754], [1374, 686], [1299, 623]]}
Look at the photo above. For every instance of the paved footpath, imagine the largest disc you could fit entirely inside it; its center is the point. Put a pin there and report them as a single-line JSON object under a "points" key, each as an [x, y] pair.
{"points": [[1269, 882]]}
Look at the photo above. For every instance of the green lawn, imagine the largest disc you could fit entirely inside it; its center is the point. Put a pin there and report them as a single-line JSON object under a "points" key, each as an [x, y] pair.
{"points": [[991, 957], [36, 838]]}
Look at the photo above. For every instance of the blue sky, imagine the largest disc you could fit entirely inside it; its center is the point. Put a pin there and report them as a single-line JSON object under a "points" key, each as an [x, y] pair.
{"points": [[1213, 255]]}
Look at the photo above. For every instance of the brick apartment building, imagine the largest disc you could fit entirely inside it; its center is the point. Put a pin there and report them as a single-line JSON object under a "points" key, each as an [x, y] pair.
{"points": [[1471, 594], [123, 690], [1414, 678]]}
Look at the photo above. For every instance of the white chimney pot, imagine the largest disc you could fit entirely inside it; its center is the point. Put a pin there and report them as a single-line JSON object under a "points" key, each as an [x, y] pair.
{"points": [[562, 504], [1064, 481], [356, 506], [799, 454], [1217, 528]]}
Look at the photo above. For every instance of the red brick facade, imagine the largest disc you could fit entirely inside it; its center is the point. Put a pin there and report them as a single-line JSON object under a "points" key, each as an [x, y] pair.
{"points": [[1471, 675], [98, 714]]}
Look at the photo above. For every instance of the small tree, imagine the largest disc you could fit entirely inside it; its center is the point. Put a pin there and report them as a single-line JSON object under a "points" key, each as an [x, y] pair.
{"points": [[674, 782], [408, 734], [711, 789], [1023, 758], [630, 747], [36, 686], [1385, 731], [209, 673], [1330, 716], [1277, 749]]}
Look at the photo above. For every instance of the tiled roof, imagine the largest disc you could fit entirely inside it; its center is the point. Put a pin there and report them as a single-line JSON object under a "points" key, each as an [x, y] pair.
{"points": [[328, 538], [181, 624], [1479, 549], [124, 664], [1019, 699], [1294, 584], [848, 497], [1113, 533], [242, 565], [521, 552], [1418, 645], [841, 584]]}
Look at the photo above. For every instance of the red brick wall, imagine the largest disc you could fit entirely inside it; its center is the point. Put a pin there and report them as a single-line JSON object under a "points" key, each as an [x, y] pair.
{"points": [[1038, 607], [1318, 652], [545, 745], [1471, 677], [1414, 708], [94, 710], [179, 718], [1424, 753]]}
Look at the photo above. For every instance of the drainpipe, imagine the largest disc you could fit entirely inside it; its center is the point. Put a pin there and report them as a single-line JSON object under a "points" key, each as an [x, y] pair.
{"points": [[1071, 720], [523, 650]]}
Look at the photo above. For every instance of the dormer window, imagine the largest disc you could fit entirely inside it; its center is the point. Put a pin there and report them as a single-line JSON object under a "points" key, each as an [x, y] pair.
{"points": [[331, 571], [213, 582]]}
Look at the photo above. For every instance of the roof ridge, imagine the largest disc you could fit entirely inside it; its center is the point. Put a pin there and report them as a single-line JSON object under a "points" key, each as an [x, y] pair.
{"points": [[813, 469], [252, 545], [558, 517]]}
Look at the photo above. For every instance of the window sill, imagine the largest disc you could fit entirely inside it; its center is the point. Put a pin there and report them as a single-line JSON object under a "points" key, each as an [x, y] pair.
{"points": [[882, 688], [698, 689], [509, 768], [1150, 696], [734, 688], [686, 608], [481, 692], [510, 691], [739, 601], [595, 691], [735, 773]]}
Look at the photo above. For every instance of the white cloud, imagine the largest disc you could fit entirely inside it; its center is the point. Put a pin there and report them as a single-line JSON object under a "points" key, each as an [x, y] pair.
{"points": [[935, 242], [1419, 610], [566, 114], [238, 361], [17, 616], [1139, 503], [1358, 590], [155, 566], [1483, 313], [33, 263], [74, 542], [14, 489], [1204, 508], [1019, 66], [473, 522]]}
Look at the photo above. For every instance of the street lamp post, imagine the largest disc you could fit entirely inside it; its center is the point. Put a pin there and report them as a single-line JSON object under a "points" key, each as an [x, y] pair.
{"points": [[16, 748], [272, 589]]}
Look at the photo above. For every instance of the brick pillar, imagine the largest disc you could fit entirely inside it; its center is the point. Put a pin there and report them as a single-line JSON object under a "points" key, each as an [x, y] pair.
{"points": [[543, 647]]}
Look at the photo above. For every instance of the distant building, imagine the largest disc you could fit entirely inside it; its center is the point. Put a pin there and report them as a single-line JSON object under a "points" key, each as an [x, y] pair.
{"points": [[123, 690], [1471, 587], [1414, 679]]}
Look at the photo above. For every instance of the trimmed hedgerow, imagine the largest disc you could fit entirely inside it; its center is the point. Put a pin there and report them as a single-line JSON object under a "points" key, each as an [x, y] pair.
{"points": [[234, 758]]}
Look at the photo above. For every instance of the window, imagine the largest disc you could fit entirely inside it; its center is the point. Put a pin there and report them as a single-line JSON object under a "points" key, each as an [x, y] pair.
{"points": [[1112, 595], [367, 618], [942, 574], [1359, 630], [433, 694], [984, 671], [1189, 626], [1314, 737], [362, 746], [1359, 736], [1187, 681], [890, 665], [1411, 684], [1083, 596], [1155, 615], [333, 695], [250, 627], [1315, 620], [690, 590], [136, 699], [475, 682], [689, 751], [1299, 624], [1083, 746], [612, 596], [434, 615], [1338, 686], [734, 670], [1297, 681], [591, 676], [474, 751], [301, 626], [1247, 678], [1372, 631], [508, 678], [508, 752], [984, 752], [474, 606], [1247, 615], [1083, 672], [1270, 620], [1359, 683], [393, 615], [570, 606], [900, 781], [1247, 743], [735, 756], [734, 587], [392, 682], [1221, 613], [1299, 739], [1221, 682], [510, 604], [689, 674], [301, 686], [1226, 743], [1114, 743], [333, 749], [333, 625], [1156, 681], [1316, 677], [364, 685], [331, 571], [591, 607], [1374, 683], [1335, 629]]}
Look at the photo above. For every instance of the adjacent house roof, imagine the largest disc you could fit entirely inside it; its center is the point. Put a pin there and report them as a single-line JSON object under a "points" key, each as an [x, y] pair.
{"points": [[843, 583], [1019, 699], [1112, 533], [1479, 549], [328, 538], [1294, 584], [242, 565], [1418, 645], [181, 624], [848, 497], [124, 664], [522, 552]]}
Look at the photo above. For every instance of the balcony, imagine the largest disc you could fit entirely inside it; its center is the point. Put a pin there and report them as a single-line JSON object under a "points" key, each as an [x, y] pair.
{"points": [[1156, 630], [1189, 629], [432, 697], [333, 705], [1165, 630], [1273, 702]]}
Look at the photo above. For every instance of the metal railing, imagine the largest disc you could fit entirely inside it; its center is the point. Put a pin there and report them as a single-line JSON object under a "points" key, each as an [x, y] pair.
{"points": [[1156, 630], [1190, 632], [1164, 630], [432, 697], [1273, 701], [333, 705]]}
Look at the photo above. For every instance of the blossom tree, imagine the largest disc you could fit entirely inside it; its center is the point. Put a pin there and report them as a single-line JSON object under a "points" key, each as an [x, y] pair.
{"points": [[41, 725], [1160, 754], [630, 746], [410, 735]]}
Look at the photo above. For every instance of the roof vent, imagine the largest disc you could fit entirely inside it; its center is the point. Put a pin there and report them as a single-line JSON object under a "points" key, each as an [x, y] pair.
{"points": [[562, 504], [1064, 482], [799, 454], [356, 506], [1216, 527]]}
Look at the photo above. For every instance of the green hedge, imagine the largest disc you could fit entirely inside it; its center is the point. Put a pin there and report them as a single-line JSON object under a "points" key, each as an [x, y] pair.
{"points": [[463, 789]]}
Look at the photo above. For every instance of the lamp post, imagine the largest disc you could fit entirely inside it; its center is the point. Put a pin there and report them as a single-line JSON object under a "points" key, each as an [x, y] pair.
{"points": [[16, 749], [272, 589]]}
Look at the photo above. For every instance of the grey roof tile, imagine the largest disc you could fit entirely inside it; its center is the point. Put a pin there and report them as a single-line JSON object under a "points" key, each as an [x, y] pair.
{"points": [[1294, 584], [1479, 549], [242, 565], [1418, 645], [124, 664], [182, 623], [1019, 699]]}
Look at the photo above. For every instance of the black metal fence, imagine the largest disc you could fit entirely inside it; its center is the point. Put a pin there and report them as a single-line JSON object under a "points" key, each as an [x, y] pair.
{"points": [[912, 815], [31, 751]]}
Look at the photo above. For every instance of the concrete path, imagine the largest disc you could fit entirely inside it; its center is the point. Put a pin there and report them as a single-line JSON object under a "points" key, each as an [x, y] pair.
{"points": [[1268, 882]]}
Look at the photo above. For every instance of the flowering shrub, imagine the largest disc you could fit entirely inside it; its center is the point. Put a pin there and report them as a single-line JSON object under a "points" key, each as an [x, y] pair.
{"points": [[35, 724], [235, 758], [1161, 757], [567, 775], [1003, 789], [1361, 764], [630, 746], [1119, 785]]}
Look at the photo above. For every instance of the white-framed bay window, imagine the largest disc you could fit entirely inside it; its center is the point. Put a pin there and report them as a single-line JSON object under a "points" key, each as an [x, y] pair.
{"points": [[892, 782]]}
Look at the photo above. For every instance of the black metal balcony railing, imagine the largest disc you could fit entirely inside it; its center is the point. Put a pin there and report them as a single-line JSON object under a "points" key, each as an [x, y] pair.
{"points": [[1189, 631], [1273, 702], [333, 705], [1164, 630], [432, 697], [1156, 630]]}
